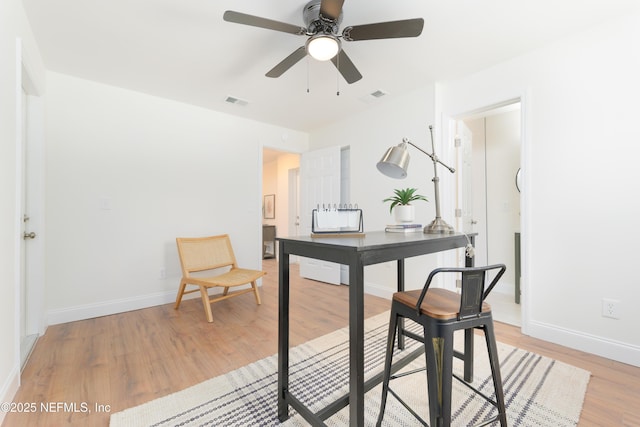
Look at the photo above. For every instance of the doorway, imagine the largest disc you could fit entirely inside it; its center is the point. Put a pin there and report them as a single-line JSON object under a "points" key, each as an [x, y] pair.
{"points": [[490, 198], [280, 183]]}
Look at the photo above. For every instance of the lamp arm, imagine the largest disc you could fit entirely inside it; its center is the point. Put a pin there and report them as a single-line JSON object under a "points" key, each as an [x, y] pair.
{"points": [[433, 157]]}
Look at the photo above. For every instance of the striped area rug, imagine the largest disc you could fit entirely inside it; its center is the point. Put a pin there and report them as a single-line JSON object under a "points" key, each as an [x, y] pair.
{"points": [[539, 391]]}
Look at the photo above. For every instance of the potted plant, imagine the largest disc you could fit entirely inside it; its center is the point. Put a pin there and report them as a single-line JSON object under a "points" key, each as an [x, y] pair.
{"points": [[401, 201]]}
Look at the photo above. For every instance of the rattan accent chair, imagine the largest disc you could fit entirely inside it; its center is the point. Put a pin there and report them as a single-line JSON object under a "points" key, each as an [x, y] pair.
{"points": [[213, 254], [442, 312]]}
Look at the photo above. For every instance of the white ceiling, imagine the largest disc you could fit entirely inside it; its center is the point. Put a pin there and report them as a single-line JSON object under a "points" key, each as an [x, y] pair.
{"points": [[183, 50]]}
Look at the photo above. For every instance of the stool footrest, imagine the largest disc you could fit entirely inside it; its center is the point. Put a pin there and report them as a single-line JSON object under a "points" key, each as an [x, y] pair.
{"points": [[478, 392], [399, 399]]}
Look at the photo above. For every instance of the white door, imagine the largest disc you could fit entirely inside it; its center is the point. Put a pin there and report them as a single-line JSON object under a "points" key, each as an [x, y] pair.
{"points": [[319, 185], [30, 287], [471, 189], [28, 331]]}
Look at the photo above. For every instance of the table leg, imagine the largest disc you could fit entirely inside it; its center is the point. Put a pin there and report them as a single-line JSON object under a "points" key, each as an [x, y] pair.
{"points": [[468, 333], [283, 333], [356, 343], [400, 333]]}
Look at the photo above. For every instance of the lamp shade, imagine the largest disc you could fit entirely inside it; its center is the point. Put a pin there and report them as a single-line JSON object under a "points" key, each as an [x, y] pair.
{"points": [[323, 47], [395, 162]]}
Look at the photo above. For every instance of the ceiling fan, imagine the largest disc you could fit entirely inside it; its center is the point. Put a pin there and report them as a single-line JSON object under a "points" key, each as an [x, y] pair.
{"points": [[322, 19]]}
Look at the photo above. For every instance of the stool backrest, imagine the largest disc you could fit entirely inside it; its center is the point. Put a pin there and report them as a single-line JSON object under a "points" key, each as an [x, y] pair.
{"points": [[473, 291]]}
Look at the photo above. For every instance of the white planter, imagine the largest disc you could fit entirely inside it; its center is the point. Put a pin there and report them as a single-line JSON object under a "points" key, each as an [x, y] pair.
{"points": [[404, 213]]}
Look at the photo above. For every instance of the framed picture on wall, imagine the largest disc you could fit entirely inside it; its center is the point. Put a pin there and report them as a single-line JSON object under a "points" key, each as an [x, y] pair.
{"points": [[269, 207]]}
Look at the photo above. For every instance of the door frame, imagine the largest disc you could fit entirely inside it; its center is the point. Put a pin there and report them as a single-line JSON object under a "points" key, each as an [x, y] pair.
{"points": [[448, 137], [293, 177]]}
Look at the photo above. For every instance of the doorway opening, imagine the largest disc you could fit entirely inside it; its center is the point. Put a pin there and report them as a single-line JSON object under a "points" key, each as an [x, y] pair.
{"points": [[280, 186], [489, 161]]}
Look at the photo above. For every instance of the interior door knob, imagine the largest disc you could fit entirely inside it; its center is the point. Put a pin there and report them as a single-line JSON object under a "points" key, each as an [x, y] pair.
{"points": [[31, 235], [473, 221]]}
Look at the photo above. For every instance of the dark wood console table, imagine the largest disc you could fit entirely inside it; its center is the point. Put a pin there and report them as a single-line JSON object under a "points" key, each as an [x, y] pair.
{"points": [[373, 248]]}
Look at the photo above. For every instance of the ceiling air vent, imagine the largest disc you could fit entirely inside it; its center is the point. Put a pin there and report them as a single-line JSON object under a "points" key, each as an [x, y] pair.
{"points": [[236, 101], [374, 96]]}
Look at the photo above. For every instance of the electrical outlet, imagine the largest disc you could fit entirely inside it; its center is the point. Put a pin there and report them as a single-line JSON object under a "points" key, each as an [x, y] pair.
{"points": [[610, 308], [163, 273]]}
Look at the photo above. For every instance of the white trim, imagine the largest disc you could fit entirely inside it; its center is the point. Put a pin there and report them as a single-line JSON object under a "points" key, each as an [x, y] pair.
{"points": [[526, 294], [611, 349], [9, 389], [89, 311], [17, 276], [374, 289]]}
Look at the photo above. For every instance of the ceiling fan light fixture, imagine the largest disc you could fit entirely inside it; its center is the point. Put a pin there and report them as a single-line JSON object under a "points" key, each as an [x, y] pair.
{"points": [[323, 47]]}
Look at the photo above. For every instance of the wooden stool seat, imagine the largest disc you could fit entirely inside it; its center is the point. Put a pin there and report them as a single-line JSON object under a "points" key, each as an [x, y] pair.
{"points": [[439, 303]]}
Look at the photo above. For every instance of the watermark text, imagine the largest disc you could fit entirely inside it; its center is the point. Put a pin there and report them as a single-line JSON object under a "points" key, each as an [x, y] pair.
{"points": [[54, 407]]}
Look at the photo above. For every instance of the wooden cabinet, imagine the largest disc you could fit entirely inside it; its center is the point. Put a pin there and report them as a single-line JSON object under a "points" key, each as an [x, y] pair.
{"points": [[268, 241]]}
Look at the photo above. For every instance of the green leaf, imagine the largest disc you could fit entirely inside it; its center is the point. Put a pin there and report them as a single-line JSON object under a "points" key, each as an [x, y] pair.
{"points": [[404, 196]]}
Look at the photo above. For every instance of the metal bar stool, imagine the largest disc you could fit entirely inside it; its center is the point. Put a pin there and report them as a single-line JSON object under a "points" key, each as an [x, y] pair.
{"points": [[442, 312]]}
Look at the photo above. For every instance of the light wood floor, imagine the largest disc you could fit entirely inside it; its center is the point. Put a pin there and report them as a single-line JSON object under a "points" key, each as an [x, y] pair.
{"points": [[127, 359]]}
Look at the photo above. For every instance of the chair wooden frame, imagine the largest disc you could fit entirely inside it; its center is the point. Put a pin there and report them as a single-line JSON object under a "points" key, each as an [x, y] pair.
{"points": [[204, 254]]}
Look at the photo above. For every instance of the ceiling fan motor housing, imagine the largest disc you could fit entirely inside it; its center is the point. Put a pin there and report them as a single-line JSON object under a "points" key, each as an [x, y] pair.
{"points": [[318, 24]]}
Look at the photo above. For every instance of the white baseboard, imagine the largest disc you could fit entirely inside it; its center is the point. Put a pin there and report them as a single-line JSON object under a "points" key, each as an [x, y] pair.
{"points": [[611, 349], [107, 308], [9, 389], [379, 291]]}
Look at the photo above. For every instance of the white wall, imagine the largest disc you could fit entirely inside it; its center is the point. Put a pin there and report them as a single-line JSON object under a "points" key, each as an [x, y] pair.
{"points": [[581, 178], [580, 182], [369, 135], [13, 26], [126, 174]]}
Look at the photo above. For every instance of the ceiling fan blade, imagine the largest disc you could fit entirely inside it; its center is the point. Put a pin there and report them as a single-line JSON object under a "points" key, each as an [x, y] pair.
{"points": [[331, 8], [287, 62], [346, 68], [256, 21], [384, 30]]}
